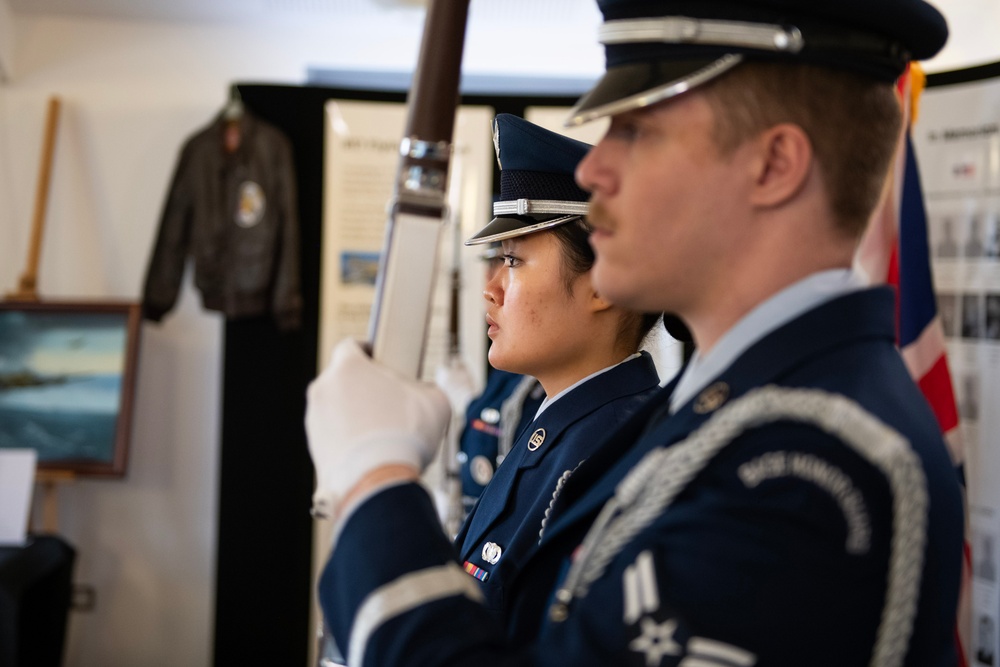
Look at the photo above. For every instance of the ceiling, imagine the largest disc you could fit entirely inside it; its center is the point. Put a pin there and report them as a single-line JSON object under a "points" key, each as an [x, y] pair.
{"points": [[259, 10], [198, 10], [974, 19]]}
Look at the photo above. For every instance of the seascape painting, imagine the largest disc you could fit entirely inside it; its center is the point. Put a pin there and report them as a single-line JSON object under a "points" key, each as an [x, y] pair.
{"points": [[65, 384]]}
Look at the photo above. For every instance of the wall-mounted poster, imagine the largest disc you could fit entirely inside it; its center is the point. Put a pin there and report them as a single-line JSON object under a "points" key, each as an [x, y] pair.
{"points": [[360, 164], [361, 158], [67, 374], [957, 141]]}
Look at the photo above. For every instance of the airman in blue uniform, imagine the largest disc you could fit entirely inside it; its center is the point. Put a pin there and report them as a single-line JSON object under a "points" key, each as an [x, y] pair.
{"points": [[492, 421], [788, 500], [540, 201]]}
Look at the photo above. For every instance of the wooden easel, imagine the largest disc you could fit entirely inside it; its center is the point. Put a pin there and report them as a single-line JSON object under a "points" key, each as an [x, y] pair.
{"points": [[49, 481], [27, 290]]}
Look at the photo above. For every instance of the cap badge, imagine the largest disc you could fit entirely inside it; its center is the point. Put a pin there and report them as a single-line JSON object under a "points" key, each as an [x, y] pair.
{"points": [[496, 141]]}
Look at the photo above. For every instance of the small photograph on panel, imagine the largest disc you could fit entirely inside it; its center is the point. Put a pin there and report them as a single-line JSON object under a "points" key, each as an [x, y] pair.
{"points": [[947, 304], [973, 248], [946, 246], [991, 249], [358, 268], [968, 397], [985, 639], [972, 316], [992, 317], [984, 554]]}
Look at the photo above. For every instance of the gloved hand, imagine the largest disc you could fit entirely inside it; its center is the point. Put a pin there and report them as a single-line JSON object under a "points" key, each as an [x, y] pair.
{"points": [[361, 416], [454, 379]]}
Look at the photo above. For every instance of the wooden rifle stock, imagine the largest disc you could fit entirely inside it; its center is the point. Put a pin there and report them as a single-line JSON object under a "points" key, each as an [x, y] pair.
{"points": [[400, 313]]}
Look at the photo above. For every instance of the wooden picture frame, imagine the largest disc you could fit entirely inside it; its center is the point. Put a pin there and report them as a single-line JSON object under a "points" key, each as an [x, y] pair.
{"points": [[67, 381]]}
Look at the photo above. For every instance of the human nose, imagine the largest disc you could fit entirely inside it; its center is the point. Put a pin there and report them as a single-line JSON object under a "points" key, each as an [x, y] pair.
{"points": [[493, 292], [593, 173]]}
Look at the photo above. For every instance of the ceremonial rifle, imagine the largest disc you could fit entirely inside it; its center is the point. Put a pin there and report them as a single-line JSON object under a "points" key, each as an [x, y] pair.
{"points": [[454, 512], [418, 210], [397, 328]]}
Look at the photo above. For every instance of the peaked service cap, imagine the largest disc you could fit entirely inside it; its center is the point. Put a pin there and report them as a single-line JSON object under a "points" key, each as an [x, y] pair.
{"points": [[656, 49], [537, 186]]}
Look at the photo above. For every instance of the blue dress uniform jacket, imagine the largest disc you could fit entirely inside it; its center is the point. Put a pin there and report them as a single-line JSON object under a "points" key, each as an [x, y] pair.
{"points": [[780, 548], [485, 423], [504, 528]]}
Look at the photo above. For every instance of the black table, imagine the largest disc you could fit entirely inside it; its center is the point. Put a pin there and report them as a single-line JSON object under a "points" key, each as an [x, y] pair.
{"points": [[36, 582]]}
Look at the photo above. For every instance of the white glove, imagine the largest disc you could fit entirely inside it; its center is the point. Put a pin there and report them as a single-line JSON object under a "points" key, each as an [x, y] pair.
{"points": [[361, 416], [454, 379]]}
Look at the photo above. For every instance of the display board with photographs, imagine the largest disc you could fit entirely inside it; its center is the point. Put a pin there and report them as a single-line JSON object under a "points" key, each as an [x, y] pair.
{"points": [[957, 141]]}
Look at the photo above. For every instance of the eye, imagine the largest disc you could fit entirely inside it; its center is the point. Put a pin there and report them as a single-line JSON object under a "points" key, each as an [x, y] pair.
{"points": [[623, 129], [510, 261]]}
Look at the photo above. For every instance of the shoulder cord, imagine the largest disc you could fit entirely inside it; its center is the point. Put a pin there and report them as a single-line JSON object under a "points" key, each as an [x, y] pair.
{"points": [[646, 492]]}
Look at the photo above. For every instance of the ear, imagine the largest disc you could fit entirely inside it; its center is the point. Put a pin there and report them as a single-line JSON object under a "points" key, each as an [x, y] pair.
{"points": [[598, 303], [783, 165]]}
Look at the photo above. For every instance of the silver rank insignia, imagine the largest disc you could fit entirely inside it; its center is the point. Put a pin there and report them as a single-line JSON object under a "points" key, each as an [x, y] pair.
{"points": [[481, 470], [657, 640], [712, 398], [536, 440], [492, 552]]}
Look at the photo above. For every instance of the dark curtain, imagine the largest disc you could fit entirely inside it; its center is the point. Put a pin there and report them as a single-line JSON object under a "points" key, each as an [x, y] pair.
{"points": [[263, 570]]}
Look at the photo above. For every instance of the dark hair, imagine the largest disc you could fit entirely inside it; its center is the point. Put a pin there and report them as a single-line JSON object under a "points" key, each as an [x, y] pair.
{"points": [[578, 258]]}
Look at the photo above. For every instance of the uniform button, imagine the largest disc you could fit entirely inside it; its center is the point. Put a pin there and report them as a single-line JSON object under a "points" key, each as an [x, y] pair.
{"points": [[481, 469], [712, 398]]}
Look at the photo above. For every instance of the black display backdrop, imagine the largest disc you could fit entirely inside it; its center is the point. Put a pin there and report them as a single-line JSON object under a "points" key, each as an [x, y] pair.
{"points": [[263, 567]]}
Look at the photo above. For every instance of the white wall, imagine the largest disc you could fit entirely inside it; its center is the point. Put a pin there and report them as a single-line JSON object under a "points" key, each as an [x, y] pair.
{"points": [[973, 28], [6, 41], [132, 92]]}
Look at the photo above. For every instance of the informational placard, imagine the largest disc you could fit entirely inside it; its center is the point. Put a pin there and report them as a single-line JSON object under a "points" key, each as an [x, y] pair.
{"points": [[957, 142], [361, 161], [17, 477], [360, 168]]}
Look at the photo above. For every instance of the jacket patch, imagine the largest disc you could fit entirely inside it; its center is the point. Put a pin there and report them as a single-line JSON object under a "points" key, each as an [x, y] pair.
{"points": [[251, 206]]}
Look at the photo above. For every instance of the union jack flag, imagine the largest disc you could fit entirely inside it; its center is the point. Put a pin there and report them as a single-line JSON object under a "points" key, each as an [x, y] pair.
{"points": [[895, 251]]}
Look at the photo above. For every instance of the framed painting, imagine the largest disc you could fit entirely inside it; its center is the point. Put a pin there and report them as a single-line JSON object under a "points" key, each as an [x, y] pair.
{"points": [[67, 378]]}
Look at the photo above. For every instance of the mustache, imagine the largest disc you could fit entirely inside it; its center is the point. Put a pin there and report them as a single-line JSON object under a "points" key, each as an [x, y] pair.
{"points": [[598, 217]]}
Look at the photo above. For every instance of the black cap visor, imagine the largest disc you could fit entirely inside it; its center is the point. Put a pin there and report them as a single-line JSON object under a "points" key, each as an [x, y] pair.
{"points": [[508, 227], [634, 85]]}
